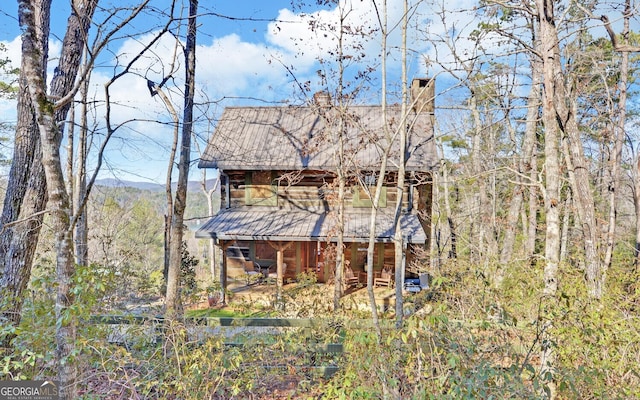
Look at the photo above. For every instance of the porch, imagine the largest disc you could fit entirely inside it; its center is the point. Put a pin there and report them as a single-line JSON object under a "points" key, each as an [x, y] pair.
{"points": [[289, 243]]}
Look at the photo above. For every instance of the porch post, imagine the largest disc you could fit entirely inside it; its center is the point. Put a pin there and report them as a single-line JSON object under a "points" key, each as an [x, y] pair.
{"points": [[223, 271], [280, 249], [280, 275], [404, 262]]}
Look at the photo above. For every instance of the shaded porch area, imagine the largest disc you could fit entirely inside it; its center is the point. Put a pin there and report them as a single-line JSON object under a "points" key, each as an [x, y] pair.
{"points": [[284, 244]]}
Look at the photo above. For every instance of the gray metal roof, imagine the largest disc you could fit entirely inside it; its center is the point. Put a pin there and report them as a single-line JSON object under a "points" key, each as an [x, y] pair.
{"points": [[295, 138], [286, 225]]}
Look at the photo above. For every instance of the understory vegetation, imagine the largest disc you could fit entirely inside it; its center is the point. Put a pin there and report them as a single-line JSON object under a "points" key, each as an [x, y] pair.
{"points": [[460, 340]]}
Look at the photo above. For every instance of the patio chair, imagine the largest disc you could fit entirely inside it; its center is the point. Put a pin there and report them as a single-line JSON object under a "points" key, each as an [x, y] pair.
{"points": [[252, 272], [385, 278], [350, 279], [274, 275]]}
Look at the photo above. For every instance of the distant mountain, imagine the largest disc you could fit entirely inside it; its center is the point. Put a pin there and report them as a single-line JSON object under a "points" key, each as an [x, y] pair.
{"points": [[193, 186]]}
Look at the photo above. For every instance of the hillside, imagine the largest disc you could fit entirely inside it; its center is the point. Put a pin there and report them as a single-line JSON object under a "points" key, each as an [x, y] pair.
{"points": [[129, 191], [193, 186]]}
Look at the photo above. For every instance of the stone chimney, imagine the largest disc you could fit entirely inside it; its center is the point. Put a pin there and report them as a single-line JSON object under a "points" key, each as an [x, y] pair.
{"points": [[423, 95]]}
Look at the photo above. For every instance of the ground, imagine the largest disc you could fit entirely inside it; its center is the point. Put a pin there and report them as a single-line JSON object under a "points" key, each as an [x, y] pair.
{"points": [[300, 300]]}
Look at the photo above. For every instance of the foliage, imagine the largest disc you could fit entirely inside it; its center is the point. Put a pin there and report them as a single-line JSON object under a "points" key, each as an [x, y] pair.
{"points": [[462, 339], [188, 282]]}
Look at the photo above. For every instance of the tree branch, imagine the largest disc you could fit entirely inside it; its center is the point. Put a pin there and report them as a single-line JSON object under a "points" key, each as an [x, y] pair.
{"points": [[617, 46]]}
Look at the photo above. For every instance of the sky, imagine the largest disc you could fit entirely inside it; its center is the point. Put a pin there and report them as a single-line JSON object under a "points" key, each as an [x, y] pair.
{"points": [[250, 52]]}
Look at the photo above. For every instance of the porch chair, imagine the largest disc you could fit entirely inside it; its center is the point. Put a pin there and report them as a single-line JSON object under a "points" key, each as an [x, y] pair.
{"points": [[252, 272], [385, 278], [350, 279], [274, 275]]}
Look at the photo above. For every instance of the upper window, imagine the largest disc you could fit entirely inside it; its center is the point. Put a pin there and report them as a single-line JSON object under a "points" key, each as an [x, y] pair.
{"points": [[363, 199], [260, 189]]}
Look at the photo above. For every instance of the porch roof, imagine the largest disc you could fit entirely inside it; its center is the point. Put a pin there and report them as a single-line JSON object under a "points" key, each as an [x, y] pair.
{"points": [[301, 226]]}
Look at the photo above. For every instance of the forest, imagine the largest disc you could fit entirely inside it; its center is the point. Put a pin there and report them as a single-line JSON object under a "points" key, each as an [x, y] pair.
{"points": [[534, 244]]}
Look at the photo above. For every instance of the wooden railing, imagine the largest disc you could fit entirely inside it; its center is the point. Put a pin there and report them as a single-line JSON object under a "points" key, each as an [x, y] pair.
{"points": [[249, 332]]}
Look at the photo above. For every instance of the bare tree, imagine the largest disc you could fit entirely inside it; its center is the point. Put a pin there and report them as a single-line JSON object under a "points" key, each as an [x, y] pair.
{"points": [[398, 239], [47, 115], [550, 54], [177, 223]]}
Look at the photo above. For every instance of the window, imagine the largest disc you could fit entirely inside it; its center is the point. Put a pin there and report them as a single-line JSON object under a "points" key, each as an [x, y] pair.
{"points": [[260, 190], [361, 197]]}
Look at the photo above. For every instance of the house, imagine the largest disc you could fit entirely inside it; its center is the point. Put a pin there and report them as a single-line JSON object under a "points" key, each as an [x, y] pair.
{"points": [[278, 169]]}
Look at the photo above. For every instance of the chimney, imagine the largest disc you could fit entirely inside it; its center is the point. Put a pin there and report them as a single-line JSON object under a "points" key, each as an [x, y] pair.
{"points": [[423, 95], [322, 98]]}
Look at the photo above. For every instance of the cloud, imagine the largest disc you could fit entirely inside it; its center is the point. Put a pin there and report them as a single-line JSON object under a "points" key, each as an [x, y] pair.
{"points": [[315, 37], [232, 67]]}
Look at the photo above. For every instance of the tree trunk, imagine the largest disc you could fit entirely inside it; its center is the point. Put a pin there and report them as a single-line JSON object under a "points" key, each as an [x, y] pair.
{"points": [[59, 205], [453, 234], [398, 240], [533, 206], [636, 204], [177, 225], [566, 222], [618, 140], [548, 49], [583, 199], [17, 246], [18, 259], [48, 115], [168, 218], [80, 192], [526, 165]]}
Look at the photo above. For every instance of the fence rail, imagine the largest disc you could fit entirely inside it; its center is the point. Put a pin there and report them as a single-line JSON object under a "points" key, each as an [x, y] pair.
{"points": [[247, 332]]}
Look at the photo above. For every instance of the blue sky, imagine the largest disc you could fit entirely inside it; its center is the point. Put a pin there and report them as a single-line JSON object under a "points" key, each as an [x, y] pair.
{"points": [[249, 52]]}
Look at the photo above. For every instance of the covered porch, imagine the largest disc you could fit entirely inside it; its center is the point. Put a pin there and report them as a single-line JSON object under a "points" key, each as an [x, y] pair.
{"points": [[287, 243]]}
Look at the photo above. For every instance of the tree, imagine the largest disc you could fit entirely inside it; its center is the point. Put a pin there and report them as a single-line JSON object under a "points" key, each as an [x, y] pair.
{"points": [[398, 239], [47, 116], [17, 254], [177, 223]]}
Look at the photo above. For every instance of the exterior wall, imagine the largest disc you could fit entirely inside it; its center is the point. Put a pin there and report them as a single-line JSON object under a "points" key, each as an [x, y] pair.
{"points": [[312, 191], [306, 257]]}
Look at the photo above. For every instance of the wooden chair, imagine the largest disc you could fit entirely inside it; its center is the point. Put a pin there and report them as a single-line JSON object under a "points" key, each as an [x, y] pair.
{"points": [[385, 278], [274, 275], [252, 272], [350, 279]]}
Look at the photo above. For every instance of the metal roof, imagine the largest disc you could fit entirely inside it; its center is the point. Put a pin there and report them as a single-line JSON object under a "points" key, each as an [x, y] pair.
{"points": [[286, 225], [296, 138]]}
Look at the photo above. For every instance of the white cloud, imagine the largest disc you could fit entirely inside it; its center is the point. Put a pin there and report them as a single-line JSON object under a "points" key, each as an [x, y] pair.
{"points": [[13, 51], [232, 67], [315, 36]]}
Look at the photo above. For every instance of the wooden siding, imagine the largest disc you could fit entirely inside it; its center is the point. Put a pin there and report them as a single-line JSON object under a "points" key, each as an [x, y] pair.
{"points": [[306, 194]]}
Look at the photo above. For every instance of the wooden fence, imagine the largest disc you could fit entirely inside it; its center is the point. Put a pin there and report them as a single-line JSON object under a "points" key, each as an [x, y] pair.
{"points": [[323, 350]]}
